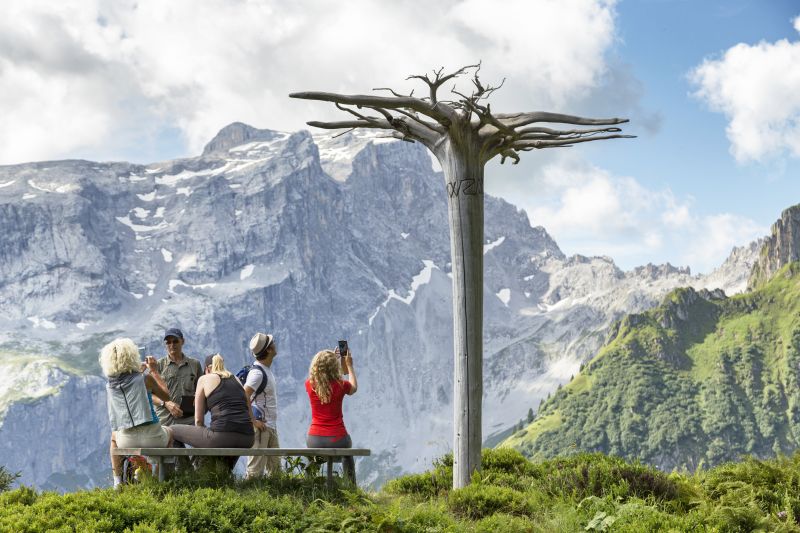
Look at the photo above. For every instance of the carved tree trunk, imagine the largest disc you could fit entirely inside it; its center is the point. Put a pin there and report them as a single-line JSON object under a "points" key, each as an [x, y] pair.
{"points": [[463, 173], [464, 135]]}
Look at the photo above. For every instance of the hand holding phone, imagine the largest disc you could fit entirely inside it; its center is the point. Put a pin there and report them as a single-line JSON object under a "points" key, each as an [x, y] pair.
{"points": [[151, 363], [343, 348]]}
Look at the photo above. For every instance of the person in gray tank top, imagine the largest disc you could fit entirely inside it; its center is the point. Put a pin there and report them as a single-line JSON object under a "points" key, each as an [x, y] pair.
{"points": [[129, 395], [232, 420]]}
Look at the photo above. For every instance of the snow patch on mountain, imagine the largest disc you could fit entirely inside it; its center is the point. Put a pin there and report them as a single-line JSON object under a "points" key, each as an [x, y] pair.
{"points": [[246, 272], [39, 322], [493, 244]]}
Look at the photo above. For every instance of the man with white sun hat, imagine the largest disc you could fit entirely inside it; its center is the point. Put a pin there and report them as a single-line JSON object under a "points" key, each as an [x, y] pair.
{"points": [[260, 388]]}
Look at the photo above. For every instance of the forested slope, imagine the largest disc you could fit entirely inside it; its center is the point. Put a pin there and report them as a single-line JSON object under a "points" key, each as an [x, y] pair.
{"points": [[697, 381]]}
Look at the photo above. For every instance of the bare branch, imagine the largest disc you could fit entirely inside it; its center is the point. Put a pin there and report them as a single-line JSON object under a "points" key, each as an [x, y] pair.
{"points": [[388, 116], [515, 120], [432, 125], [443, 115], [350, 124], [354, 113], [409, 95], [550, 131], [342, 133], [530, 145], [484, 114], [439, 80], [511, 154], [483, 93], [416, 104]]}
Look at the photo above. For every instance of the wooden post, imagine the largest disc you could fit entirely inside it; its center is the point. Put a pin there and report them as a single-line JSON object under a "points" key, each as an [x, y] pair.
{"points": [[464, 183]]}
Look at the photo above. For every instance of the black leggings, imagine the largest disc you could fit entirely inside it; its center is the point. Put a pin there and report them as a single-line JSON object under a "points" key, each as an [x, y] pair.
{"points": [[348, 464]]}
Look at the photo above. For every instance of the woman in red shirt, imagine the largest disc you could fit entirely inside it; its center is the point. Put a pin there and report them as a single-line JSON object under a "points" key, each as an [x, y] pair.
{"points": [[326, 390]]}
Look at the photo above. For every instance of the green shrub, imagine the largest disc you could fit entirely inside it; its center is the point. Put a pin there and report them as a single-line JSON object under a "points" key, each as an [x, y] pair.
{"points": [[7, 478], [426, 518], [425, 485], [504, 522], [596, 474], [428, 484], [743, 518], [21, 496], [507, 460], [478, 500], [638, 516]]}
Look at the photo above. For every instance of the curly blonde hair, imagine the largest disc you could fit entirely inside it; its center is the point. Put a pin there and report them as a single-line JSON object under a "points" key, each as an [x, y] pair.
{"points": [[324, 370], [119, 356]]}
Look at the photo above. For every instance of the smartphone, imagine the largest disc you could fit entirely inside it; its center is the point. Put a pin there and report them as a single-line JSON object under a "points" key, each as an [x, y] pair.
{"points": [[342, 348]]}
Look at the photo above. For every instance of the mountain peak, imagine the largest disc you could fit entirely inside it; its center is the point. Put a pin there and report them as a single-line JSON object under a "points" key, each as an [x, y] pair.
{"points": [[235, 134], [781, 247]]}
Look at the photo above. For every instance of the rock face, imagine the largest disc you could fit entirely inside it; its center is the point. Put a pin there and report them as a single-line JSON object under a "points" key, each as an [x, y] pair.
{"points": [[311, 239], [236, 134], [54, 419], [780, 248]]}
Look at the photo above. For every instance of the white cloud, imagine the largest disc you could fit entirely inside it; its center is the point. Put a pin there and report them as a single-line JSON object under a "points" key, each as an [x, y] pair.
{"points": [[590, 211], [587, 202], [712, 237], [757, 87], [92, 78]]}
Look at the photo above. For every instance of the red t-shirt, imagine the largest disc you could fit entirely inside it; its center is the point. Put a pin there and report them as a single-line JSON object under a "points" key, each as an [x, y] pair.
{"points": [[326, 419]]}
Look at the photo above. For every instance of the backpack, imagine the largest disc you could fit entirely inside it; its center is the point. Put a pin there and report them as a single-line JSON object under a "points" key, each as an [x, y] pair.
{"points": [[242, 374]]}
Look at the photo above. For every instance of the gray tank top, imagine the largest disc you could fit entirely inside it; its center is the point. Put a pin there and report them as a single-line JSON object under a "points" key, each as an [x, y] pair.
{"points": [[228, 407]]}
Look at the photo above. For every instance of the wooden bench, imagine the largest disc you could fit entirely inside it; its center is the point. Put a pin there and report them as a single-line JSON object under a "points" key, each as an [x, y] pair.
{"points": [[159, 454]]}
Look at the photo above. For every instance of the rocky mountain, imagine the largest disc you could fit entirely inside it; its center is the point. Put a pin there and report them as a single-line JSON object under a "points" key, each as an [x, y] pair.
{"points": [[699, 380], [311, 238], [781, 248]]}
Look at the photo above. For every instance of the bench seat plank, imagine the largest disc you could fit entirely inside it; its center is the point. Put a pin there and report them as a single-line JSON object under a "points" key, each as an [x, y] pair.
{"points": [[220, 452]]}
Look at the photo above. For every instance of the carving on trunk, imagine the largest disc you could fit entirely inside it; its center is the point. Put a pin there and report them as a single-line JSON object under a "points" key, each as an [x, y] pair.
{"points": [[464, 134]]}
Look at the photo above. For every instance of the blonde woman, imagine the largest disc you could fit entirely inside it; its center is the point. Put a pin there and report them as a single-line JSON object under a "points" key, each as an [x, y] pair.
{"points": [[326, 390], [130, 400], [232, 421]]}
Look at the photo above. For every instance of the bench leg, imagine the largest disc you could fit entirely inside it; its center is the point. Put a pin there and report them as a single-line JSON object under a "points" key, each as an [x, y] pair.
{"points": [[160, 467], [330, 472]]}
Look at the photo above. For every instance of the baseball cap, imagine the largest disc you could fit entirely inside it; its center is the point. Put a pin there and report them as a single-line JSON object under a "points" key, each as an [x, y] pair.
{"points": [[173, 332]]}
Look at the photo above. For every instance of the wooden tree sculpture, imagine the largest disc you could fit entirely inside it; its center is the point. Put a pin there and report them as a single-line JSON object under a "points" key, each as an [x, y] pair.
{"points": [[464, 134]]}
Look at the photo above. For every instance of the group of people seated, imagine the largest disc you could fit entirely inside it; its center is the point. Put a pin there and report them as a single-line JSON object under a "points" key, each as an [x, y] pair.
{"points": [[163, 402]]}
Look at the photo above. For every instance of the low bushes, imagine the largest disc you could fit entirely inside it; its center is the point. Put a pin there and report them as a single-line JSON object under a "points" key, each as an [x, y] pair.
{"points": [[585, 492]]}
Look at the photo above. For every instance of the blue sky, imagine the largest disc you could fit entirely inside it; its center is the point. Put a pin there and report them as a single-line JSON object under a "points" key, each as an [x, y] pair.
{"points": [[711, 88], [664, 41]]}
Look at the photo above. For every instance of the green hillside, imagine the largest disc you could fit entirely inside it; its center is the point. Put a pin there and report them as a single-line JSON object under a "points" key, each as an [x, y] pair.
{"points": [[700, 380]]}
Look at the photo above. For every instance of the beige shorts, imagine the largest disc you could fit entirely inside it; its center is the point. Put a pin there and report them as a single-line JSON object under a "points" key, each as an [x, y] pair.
{"points": [[145, 436]]}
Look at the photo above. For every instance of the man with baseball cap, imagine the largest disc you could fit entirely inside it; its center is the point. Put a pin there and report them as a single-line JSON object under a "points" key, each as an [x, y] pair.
{"points": [[263, 396], [181, 373]]}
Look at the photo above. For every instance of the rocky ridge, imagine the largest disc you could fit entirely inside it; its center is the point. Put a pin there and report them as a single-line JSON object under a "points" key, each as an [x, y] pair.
{"points": [[779, 249]]}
